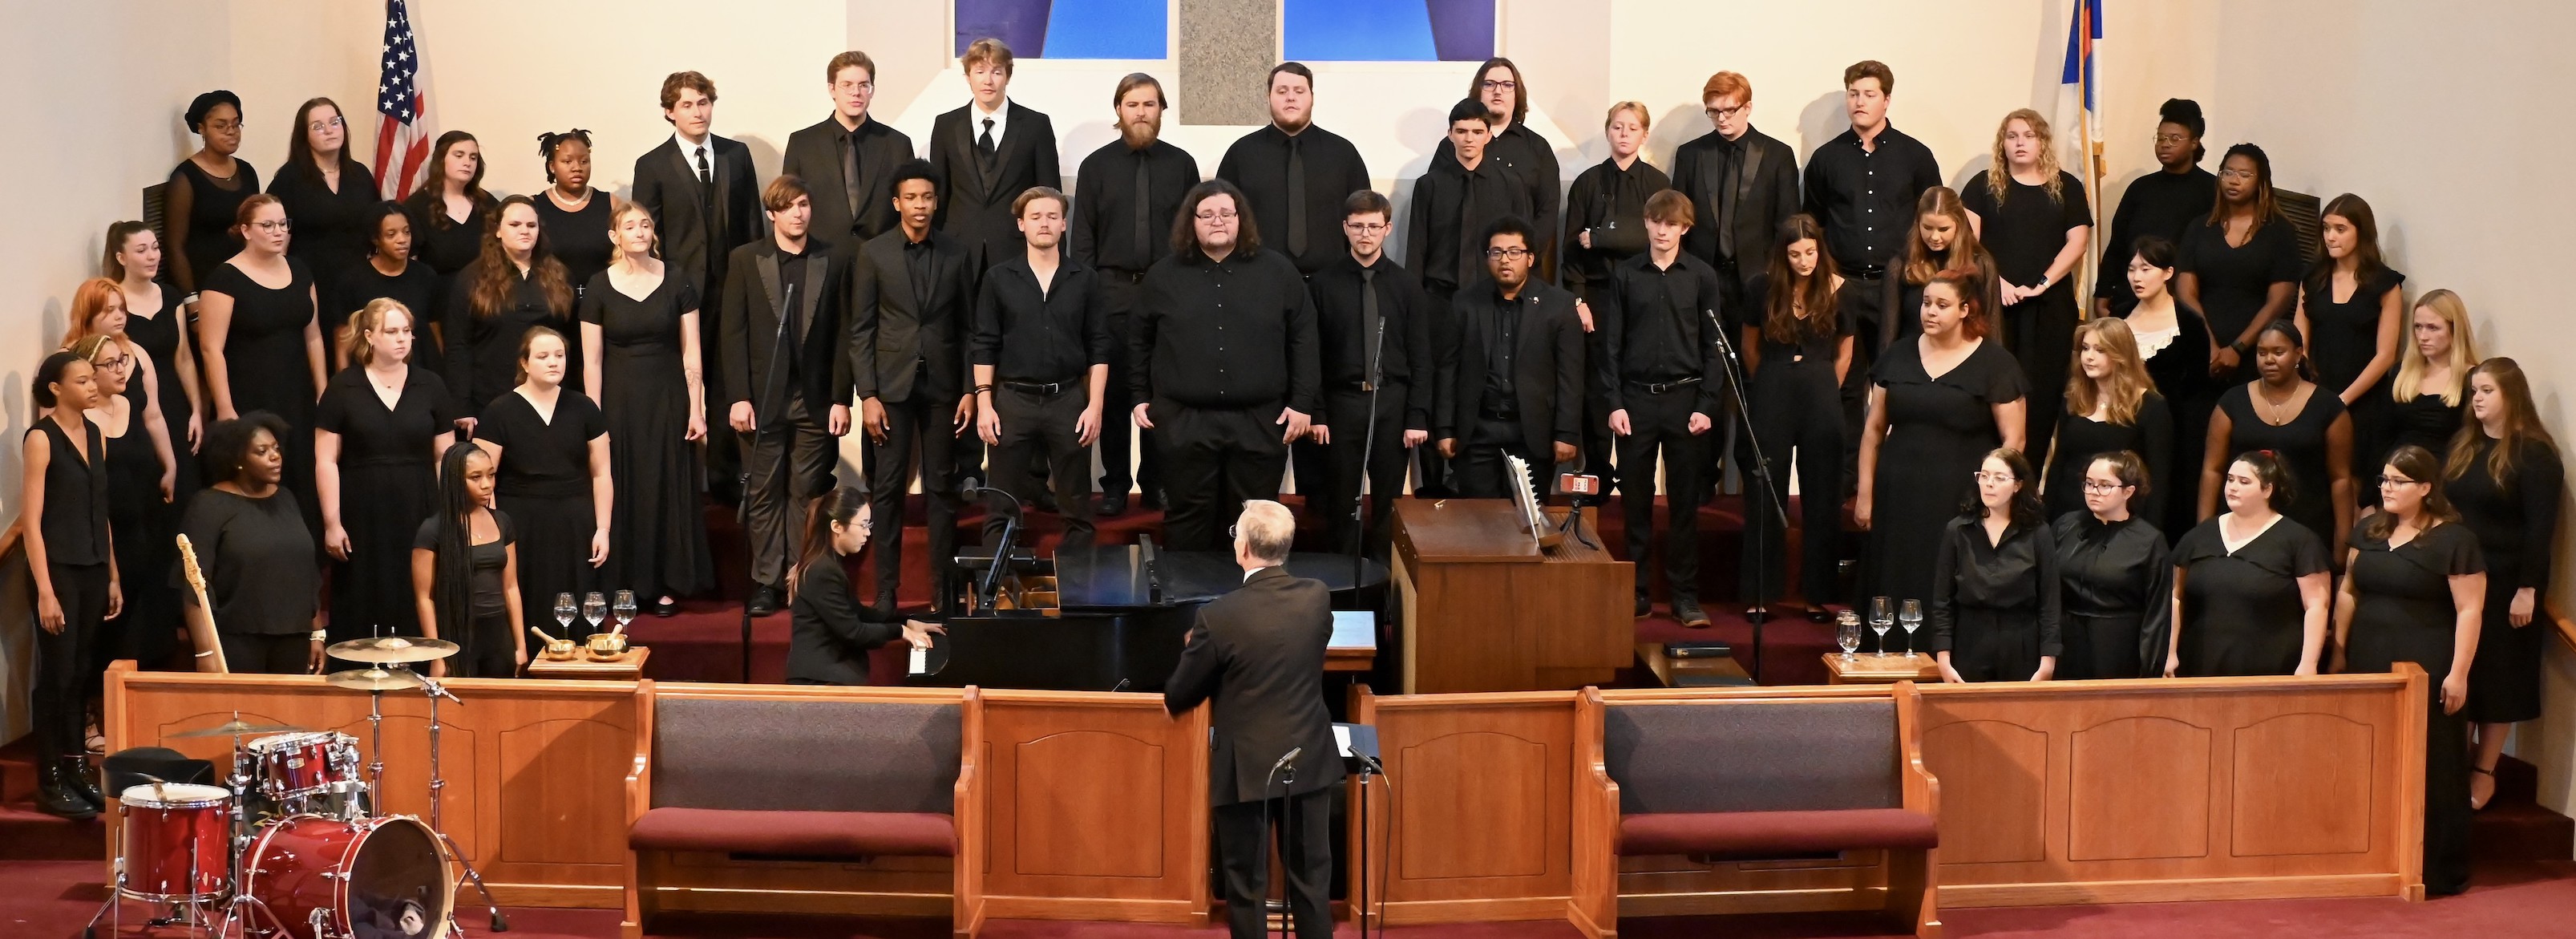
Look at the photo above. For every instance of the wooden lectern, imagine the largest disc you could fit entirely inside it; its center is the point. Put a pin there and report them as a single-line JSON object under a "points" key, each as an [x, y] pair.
{"points": [[1484, 608]]}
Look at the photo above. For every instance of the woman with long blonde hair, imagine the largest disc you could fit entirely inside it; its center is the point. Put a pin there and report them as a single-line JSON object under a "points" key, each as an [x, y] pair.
{"points": [[2111, 406], [1944, 238], [2430, 395], [377, 436], [2035, 219]]}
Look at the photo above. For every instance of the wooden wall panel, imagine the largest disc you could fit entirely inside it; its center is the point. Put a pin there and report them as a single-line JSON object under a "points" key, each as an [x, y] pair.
{"points": [[1099, 808], [1479, 819], [1994, 776], [2138, 788]]}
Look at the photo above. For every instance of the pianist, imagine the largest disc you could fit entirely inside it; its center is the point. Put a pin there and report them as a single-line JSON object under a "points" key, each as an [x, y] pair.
{"points": [[831, 631], [1259, 651]]}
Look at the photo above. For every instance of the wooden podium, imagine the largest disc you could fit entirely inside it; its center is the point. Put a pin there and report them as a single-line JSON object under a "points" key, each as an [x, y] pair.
{"points": [[1484, 608]]}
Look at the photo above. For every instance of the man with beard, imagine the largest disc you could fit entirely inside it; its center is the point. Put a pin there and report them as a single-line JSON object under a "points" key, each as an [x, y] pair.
{"points": [[1514, 378], [1225, 358], [1294, 175], [1127, 193], [1520, 151], [849, 159]]}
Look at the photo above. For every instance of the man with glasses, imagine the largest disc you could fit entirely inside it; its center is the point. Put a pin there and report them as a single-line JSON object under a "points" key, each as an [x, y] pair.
{"points": [[1371, 317], [1742, 184], [1226, 369], [1513, 380], [1128, 194], [1294, 174], [1517, 150], [849, 159]]}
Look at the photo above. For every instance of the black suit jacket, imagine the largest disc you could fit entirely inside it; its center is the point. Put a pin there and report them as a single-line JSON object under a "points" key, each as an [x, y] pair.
{"points": [[1766, 194], [1259, 651], [892, 340], [1547, 368], [831, 632], [976, 209], [700, 225], [814, 155], [748, 326]]}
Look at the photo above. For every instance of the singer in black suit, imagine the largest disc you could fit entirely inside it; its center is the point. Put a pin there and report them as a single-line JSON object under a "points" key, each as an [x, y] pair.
{"points": [[913, 294], [1259, 652], [1129, 192], [1742, 184], [705, 201], [989, 152], [1512, 383], [1373, 322], [786, 411], [849, 158]]}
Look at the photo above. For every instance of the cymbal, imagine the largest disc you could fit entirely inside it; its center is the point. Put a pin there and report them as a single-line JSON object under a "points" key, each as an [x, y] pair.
{"points": [[239, 728], [392, 649], [372, 679]]}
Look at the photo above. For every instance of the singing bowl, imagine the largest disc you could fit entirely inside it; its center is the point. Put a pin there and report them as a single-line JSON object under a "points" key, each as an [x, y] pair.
{"points": [[558, 650], [607, 645]]}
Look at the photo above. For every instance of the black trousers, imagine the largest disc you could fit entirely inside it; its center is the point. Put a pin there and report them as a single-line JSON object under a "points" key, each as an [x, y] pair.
{"points": [[1438, 472], [1598, 443], [1797, 411], [489, 653], [1214, 459], [1855, 386], [63, 672], [1329, 473], [2040, 334], [1303, 823], [920, 439], [1660, 424], [790, 460], [266, 653], [1479, 471], [1039, 426], [1123, 466]]}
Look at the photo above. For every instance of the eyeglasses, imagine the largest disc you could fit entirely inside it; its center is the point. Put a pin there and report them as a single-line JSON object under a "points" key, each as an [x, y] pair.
{"points": [[1219, 215], [325, 124], [222, 125], [2387, 481], [1725, 113], [1503, 85], [868, 87], [1509, 254], [2173, 138], [1232, 532], [1366, 228], [2232, 173], [2098, 486], [1992, 476], [282, 224]]}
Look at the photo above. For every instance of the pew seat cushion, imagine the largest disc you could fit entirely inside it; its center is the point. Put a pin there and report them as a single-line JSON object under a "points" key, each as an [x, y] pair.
{"points": [[1760, 833], [810, 834]]}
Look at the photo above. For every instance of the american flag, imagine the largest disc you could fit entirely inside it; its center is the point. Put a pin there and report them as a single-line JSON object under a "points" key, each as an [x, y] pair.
{"points": [[404, 135]]}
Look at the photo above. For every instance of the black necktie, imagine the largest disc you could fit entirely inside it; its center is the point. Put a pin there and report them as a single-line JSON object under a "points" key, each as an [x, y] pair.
{"points": [[1296, 199], [1726, 201], [984, 145], [1374, 335], [1471, 253], [1144, 211], [850, 176], [705, 177]]}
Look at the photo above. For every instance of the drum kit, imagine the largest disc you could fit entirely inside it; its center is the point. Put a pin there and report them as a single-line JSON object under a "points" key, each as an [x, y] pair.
{"points": [[294, 844]]}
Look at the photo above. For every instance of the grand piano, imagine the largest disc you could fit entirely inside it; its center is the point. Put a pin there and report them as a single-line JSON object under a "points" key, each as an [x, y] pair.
{"points": [[1103, 618]]}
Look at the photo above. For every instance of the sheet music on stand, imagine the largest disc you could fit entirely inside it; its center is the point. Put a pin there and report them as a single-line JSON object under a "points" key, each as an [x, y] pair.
{"points": [[1526, 495]]}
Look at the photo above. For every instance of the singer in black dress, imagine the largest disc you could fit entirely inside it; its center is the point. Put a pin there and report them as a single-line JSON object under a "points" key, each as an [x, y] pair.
{"points": [[2029, 228], [388, 484], [1938, 428], [2143, 424], [658, 537], [389, 272], [546, 487], [268, 366], [2242, 608], [2343, 336], [2402, 608], [204, 229], [484, 323], [1796, 392], [139, 516]]}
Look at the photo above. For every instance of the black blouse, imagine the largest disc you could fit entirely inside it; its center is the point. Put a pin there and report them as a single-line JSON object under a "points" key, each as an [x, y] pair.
{"points": [[2236, 281], [2118, 569], [2516, 518], [2425, 421], [438, 238], [540, 458], [330, 227], [490, 559], [2080, 438], [2180, 367], [2342, 336], [1757, 313], [578, 238], [75, 522], [417, 288], [371, 433], [2019, 575], [483, 351], [2028, 229], [258, 559]]}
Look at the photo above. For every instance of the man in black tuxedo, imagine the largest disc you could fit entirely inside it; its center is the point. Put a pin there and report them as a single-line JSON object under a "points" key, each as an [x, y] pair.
{"points": [[849, 159], [705, 202], [989, 152], [913, 295], [1742, 184], [785, 378], [1129, 191], [1514, 379], [1259, 652]]}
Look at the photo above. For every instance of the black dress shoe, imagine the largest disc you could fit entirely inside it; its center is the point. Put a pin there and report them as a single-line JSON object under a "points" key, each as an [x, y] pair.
{"points": [[666, 608], [84, 784], [1688, 611], [1111, 504], [59, 796], [1153, 501], [764, 600], [1645, 607]]}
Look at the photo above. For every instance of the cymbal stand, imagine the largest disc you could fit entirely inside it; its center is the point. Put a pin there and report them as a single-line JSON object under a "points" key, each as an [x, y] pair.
{"points": [[436, 690]]}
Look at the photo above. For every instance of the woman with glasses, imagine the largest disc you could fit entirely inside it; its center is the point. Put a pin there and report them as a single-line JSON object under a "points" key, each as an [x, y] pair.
{"points": [[261, 344], [327, 192], [2284, 413], [2504, 477], [2415, 592], [2250, 585], [2240, 265], [832, 632], [2114, 576], [1995, 605], [205, 192]]}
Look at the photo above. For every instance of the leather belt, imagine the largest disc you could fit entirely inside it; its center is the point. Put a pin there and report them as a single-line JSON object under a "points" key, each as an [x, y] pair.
{"points": [[1656, 388], [1041, 388]]}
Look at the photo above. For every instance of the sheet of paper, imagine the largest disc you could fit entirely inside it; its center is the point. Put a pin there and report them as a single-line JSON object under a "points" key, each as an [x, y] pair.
{"points": [[1342, 740], [1354, 629], [920, 661]]}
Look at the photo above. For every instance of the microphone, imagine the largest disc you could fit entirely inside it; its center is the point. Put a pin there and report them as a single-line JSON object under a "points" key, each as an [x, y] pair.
{"points": [[1121, 686], [1286, 768]]}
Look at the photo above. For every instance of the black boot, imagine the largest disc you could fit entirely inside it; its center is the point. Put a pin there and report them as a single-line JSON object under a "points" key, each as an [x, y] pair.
{"points": [[84, 782], [58, 793]]}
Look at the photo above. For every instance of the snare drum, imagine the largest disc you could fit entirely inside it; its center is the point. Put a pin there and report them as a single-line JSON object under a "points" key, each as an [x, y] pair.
{"points": [[176, 842], [372, 877], [293, 766]]}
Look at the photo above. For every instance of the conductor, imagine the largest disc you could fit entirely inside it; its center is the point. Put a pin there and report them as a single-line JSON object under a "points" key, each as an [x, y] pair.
{"points": [[1259, 651]]}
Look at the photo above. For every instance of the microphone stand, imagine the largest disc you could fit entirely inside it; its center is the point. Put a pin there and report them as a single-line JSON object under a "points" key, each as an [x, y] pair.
{"points": [[1767, 492], [990, 591], [1368, 451], [1287, 764], [763, 402]]}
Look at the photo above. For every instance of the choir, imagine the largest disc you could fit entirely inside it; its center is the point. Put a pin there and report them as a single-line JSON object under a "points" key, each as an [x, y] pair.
{"points": [[537, 393]]}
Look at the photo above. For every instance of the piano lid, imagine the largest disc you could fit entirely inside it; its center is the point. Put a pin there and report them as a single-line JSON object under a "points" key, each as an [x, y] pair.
{"points": [[1117, 576]]}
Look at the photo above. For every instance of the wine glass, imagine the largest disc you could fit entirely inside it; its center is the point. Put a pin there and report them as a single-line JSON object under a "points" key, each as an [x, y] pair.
{"points": [[564, 613], [1912, 617], [594, 608], [1847, 633], [623, 608], [1882, 617]]}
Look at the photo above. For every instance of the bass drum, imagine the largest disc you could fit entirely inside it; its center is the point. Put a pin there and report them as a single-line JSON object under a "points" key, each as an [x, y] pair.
{"points": [[378, 877]]}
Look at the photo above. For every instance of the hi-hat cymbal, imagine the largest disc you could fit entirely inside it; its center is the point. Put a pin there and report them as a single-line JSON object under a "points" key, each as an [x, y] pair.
{"points": [[386, 650], [239, 728], [372, 679]]}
